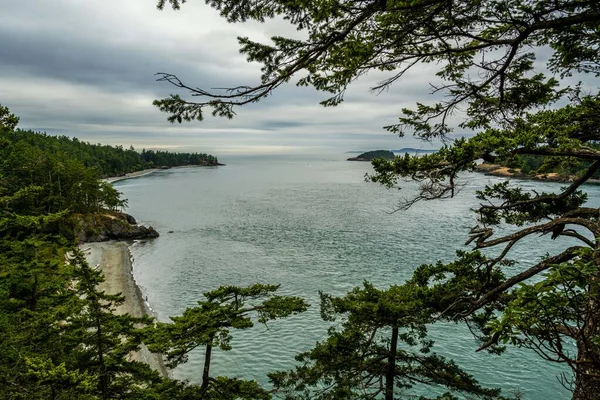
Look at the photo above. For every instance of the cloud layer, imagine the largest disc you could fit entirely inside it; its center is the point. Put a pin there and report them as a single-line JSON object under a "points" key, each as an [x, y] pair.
{"points": [[86, 69]]}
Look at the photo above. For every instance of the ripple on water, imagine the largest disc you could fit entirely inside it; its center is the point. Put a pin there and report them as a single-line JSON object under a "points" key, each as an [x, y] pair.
{"points": [[309, 229]]}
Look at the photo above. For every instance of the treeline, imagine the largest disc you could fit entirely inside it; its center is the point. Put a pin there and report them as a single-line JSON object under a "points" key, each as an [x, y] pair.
{"points": [[108, 160], [59, 336], [37, 182]]}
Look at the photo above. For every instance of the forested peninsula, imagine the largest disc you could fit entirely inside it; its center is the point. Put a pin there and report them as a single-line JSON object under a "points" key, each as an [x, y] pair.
{"points": [[61, 334], [105, 160]]}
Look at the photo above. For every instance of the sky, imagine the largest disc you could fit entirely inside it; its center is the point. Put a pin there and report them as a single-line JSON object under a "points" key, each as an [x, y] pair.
{"points": [[87, 69]]}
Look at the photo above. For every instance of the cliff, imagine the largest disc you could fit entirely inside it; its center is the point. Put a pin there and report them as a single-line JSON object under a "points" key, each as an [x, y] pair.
{"points": [[100, 227]]}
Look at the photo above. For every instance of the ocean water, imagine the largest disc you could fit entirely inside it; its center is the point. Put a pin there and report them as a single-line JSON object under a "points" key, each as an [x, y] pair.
{"points": [[310, 224]]}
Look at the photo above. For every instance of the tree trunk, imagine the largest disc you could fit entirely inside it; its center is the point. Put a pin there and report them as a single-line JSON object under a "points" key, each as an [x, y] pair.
{"points": [[391, 366], [587, 376], [587, 386], [206, 370], [101, 366]]}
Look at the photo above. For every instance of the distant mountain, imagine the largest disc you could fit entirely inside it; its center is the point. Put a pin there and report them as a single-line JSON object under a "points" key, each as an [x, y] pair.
{"points": [[370, 155], [401, 151], [412, 150]]}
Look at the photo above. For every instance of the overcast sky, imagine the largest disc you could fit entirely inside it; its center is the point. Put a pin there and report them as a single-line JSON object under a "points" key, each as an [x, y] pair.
{"points": [[86, 69]]}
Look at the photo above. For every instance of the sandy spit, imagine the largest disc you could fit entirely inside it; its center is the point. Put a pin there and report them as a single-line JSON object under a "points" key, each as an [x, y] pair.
{"points": [[136, 174], [114, 260], [145, 172]]}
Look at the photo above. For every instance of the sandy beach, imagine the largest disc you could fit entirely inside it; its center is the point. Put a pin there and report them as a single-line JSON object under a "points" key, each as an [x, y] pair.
{"points": [[131, 175], [145, 172], [114, 259]]}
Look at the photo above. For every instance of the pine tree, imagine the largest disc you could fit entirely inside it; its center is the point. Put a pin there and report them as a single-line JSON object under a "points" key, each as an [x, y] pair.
{"points": [[499, 68], [209, 325]]}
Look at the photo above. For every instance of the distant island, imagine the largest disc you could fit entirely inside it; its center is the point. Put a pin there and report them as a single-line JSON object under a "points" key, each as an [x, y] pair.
{"points": [[413, 150], [403, 150], [370, 155]]}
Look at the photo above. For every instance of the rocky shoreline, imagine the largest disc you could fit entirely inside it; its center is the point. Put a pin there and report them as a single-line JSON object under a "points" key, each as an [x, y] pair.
{"points": [[505, 172], [113, 225]]}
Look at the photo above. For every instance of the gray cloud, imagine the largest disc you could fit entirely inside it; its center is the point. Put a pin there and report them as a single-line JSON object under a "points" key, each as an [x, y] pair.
{"points": [[86, 69]]}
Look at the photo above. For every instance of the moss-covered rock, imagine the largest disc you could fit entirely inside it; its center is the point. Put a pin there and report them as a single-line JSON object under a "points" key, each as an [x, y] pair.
{"points": [[101, 227]]}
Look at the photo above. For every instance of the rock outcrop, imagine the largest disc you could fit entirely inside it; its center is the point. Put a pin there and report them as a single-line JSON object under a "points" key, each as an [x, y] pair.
{"points": [[101, 227]]}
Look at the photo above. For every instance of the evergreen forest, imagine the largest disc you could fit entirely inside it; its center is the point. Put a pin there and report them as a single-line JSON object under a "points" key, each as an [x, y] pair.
{"points": [[514, 82], [105, 159]]}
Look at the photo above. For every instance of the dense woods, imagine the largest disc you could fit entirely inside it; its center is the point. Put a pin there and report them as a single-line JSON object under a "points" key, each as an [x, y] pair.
{"points": [[106, 160], [58, 334]]}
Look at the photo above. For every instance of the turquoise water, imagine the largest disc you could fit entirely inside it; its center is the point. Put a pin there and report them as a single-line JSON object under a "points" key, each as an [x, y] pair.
{"points": [[309, 224]]}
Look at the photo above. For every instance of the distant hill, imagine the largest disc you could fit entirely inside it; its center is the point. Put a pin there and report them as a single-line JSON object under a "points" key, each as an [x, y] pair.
{"points": [[403, 150], [412, 150], [370, 155]]}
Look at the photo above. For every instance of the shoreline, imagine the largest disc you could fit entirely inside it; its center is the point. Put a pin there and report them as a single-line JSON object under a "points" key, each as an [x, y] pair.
{"points": [[131, 175], [114, 259], [144, 172], [505, 172]]}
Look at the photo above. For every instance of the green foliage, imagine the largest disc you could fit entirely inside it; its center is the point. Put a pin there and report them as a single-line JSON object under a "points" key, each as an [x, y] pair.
{"points": [[36, 182], [209, 325], [8, 120], [485, 52], [489, 73], [380, 347], [546, 306], [59, 334], [566, 168], [534, 317], [105, 160]]}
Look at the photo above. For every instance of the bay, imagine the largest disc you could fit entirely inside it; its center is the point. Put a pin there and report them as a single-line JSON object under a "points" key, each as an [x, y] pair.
{"points": [[310, 223]]}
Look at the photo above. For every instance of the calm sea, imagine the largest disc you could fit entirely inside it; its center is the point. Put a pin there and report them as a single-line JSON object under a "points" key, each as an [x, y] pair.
{"points": [[310, 224]]}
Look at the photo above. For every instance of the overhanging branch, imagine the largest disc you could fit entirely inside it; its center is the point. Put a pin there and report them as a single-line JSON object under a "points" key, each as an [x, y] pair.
{"points": [[566, 255]]}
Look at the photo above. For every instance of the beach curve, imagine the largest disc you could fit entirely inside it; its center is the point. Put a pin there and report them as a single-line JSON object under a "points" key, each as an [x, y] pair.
{"points": [[113, 258]]}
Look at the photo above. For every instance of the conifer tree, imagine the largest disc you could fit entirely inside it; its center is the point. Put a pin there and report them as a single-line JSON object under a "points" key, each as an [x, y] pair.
{"points": [[500, 67], [209, 325], [380, 351]]}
